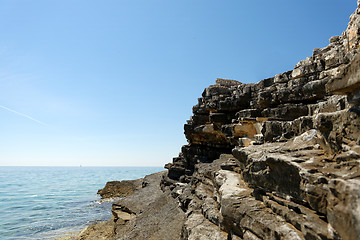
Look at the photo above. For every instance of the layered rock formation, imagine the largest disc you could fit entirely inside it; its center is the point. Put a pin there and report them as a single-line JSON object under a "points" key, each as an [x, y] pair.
{"points": [[277, 159]]}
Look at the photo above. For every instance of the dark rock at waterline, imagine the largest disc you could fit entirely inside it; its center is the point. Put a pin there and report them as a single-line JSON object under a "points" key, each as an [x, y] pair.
{"points": [[119, 188], [125, 188]]}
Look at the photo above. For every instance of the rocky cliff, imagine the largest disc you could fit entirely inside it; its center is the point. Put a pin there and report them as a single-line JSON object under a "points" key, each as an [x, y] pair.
{"points": [[277, 159]]}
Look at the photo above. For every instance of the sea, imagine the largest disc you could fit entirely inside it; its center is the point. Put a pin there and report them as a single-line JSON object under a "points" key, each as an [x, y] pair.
{"points": [[53, 202]]}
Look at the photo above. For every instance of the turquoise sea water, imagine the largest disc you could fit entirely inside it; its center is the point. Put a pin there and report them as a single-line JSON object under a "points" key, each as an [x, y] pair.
{"points": [[46, 202]]}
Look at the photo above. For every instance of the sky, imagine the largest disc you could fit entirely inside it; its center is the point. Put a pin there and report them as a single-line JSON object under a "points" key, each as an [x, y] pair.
{"points": [[112, 82]]}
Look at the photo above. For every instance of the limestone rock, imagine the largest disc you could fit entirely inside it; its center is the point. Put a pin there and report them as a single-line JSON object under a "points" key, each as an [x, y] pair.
{"points": [[295, 168], [119, 188], [148, 213]]}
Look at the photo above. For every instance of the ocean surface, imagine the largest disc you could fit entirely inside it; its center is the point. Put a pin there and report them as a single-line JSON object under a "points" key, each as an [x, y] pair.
{"points": [[50, 202]]}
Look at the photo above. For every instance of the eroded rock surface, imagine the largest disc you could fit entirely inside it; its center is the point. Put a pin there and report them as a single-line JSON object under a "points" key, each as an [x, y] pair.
{"points": [[148, 213], [115, 189], [277, 159]]}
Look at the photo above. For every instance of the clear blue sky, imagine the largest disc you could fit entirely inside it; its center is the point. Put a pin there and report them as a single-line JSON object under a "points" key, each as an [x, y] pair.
{"points": [[112, 82]]}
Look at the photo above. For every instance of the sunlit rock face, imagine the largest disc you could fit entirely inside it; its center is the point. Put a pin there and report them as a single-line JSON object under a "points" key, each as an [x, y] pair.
{"points": [[277, 159]]}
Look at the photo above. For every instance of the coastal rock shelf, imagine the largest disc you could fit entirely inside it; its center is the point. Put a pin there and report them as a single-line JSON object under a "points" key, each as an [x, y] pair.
{"points": [[277, 159]]}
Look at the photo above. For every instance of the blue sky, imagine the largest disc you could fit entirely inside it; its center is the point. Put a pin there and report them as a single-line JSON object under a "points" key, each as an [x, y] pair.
{"points": [[111, 83]]}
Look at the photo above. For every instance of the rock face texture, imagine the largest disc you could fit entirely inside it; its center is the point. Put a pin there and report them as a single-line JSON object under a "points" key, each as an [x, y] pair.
{"points": [[119, 188], [147, 213], [277, 159]]}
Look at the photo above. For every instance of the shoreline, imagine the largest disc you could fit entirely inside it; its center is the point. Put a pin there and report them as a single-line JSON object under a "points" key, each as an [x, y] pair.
{"points": [[114, 192], [48, 203]]}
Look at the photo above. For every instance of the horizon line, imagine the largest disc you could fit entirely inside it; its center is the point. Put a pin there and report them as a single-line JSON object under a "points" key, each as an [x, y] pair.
{"points": [[76, 166]]}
